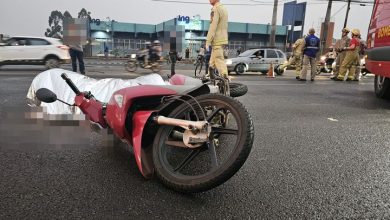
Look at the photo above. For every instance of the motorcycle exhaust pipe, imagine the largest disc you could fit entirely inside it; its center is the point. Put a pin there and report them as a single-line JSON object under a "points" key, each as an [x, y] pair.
{"points": [[189, 125]]}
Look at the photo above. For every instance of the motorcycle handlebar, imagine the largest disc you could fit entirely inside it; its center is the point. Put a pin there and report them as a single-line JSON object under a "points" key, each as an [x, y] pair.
{"points": [[70, 83]]}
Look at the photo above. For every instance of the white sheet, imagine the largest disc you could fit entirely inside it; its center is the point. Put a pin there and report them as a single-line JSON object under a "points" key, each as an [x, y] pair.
{"points": [[101, 89]]}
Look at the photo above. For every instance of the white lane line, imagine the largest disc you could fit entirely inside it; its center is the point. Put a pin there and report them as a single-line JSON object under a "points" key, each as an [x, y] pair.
{"points": [[332, 119]]}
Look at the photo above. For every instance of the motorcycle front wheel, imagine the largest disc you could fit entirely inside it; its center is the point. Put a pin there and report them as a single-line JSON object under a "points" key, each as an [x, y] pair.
{"points": [[156, 67], [215, 161], [131, 66]]}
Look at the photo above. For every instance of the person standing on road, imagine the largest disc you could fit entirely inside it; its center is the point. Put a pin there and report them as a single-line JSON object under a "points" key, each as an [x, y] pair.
{"points": [[362, 50], [173, 59], [76, 54], [312, 46], [187, 53], [217, 37], [296, 57], [351, 57], [340, 44], [106, 51]]}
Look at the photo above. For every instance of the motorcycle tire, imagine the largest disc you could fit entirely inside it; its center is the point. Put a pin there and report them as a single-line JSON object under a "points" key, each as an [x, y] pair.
{"points": [[237, 89], [131, 66], [207, 166], [156, 68]]}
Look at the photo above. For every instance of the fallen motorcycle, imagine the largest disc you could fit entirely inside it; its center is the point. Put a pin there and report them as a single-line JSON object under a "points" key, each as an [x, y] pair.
{"points": [[192, 140], [325, 65], [138, 61]]}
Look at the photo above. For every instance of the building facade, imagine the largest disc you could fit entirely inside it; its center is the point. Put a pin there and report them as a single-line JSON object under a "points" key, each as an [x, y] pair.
{"points": [[180, 33]]}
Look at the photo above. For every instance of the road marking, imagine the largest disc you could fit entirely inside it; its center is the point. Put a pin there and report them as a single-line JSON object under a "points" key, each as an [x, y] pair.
{"points": [[332, 119]]}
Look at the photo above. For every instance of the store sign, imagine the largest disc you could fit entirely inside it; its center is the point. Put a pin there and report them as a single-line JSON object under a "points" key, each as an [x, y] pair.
{"points": [[193, 23], [95, 21], [185, 19]]}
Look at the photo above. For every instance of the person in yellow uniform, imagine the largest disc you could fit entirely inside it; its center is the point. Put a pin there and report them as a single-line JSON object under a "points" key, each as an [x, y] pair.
{"points": [[296, 58], [340, 44], [351, 57], [217, 37]]}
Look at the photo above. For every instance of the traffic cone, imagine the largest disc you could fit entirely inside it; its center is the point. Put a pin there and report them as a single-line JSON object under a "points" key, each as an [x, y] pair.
{"points": [[271, 72]]}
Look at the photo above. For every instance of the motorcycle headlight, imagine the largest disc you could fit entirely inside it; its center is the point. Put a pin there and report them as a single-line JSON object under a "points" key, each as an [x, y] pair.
{"points": [[229, 62], [133, 56]]}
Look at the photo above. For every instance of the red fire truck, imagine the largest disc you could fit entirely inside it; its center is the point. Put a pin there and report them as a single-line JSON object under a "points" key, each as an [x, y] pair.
{"points": [[378, 43]]}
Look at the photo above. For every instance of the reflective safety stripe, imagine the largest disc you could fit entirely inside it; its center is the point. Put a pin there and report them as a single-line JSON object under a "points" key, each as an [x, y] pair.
{"points": [[312, 47]]}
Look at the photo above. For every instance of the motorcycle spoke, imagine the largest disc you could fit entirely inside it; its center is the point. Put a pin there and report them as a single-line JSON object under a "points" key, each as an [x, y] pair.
{"points": [[187, 160], [176, 144], [217, 130], [213, 154], [187, 116], [211, 116]]}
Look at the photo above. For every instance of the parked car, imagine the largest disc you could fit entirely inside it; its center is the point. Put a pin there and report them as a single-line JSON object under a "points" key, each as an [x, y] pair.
{"points": [[50, 52], [257, 60], [378, 48]]}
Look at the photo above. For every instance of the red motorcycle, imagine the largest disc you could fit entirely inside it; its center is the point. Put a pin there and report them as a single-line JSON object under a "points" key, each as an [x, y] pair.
{"points": [[192, 140]]}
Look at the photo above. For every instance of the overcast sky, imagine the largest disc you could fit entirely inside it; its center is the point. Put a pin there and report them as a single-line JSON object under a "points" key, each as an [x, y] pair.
{"points": [[30, 17]]}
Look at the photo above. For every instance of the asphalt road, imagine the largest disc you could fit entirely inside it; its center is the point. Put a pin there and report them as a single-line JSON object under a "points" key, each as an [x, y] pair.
{"points": [[321, 150]]}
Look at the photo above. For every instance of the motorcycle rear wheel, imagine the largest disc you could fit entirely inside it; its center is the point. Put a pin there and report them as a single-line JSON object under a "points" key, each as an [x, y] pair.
{"points": [[203, 168], [237, 89], [131, 66]]}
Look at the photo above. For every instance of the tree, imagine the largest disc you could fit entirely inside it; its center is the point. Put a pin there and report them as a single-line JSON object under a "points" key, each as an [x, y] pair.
{"points": [[56, 20], [55, 24], [84, 14], [67, 15]]}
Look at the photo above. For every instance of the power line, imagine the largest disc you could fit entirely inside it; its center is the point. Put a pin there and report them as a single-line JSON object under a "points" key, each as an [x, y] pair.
{"points": [[204, 3], [255, 2]]}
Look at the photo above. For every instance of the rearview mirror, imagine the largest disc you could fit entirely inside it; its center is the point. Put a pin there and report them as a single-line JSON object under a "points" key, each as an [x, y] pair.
{"points": [[45, 95]]}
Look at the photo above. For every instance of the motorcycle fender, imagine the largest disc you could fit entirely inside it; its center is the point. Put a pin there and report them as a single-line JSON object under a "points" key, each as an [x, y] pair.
{"points": [[143, 154], [123, 99]]}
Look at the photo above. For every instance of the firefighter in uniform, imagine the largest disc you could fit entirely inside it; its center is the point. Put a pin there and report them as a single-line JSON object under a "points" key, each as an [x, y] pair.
{"points": [[340, 44], [352, 55], [217, 37], [296, 58], [360, 57]]}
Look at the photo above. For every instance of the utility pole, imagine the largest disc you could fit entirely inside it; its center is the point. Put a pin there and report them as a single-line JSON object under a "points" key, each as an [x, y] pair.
{"points": [[273, 28], [346, 16], [325, 29]]}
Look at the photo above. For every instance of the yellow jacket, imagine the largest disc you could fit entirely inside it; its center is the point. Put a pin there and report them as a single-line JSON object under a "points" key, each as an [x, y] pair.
{"points": [[218, 31], [298, 46]]}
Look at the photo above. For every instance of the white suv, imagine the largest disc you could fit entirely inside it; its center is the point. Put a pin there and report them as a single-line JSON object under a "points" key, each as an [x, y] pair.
{"points": [[34, 51]]}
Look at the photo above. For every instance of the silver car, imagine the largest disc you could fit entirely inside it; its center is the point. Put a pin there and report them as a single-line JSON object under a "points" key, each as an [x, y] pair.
{"points": [[257, 60]]}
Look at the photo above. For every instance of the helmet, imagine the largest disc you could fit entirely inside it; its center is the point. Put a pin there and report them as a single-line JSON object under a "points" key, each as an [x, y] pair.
{"points": [[156, 42], [355, 32], [345, 30]]}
